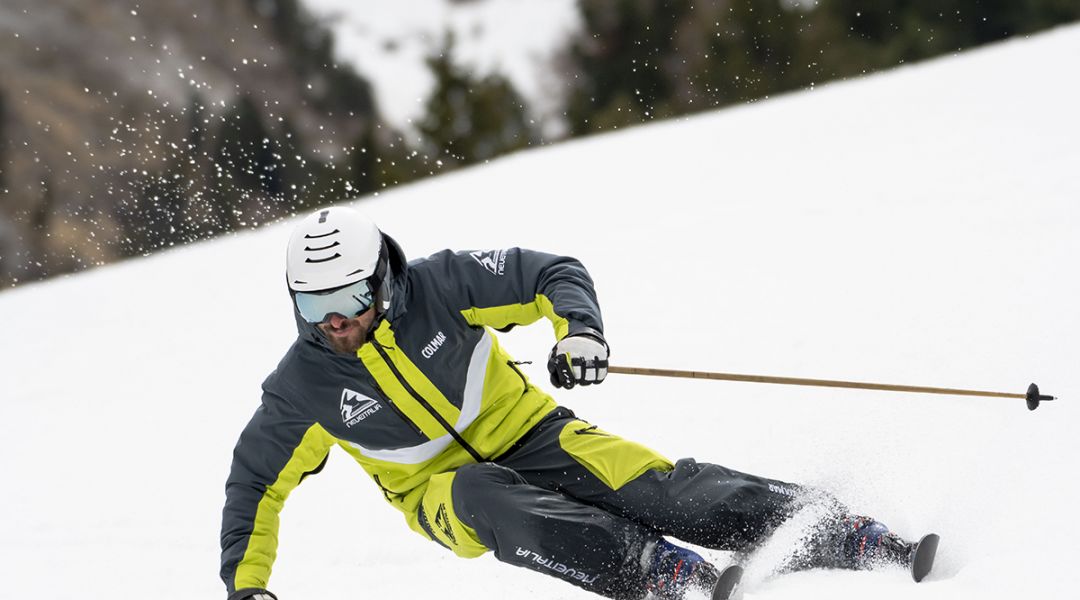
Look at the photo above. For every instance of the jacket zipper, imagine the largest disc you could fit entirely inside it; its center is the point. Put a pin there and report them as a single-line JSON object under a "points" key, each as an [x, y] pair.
{"points": [[428, 407], [399, 412]]}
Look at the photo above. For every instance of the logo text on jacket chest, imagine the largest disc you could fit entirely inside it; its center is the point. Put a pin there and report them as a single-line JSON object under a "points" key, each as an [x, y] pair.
{"points": [[492, 260], [433, 346], [356, 407]]}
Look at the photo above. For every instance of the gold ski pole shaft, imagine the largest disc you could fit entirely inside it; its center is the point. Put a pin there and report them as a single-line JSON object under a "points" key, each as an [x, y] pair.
{"points": [[1032, 396]]}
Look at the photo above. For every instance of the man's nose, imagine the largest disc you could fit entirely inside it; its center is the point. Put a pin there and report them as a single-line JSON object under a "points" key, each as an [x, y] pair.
{"points": [[336, 321]]}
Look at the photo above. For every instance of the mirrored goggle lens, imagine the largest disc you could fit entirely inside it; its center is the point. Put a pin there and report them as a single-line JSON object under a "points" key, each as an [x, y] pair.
{"points": [[347, 301]]}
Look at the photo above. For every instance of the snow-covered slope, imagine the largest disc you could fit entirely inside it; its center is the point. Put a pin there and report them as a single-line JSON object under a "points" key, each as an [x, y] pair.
{"points": [[914, 227]]}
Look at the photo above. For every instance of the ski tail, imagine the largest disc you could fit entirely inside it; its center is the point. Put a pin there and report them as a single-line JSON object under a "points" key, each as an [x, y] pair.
{"points": [[727, 587], [922, 561]]}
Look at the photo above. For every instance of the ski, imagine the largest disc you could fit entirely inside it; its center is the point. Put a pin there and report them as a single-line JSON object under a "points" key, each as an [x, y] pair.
{"points": [[923, 558], [922, 562], [728, 583]]}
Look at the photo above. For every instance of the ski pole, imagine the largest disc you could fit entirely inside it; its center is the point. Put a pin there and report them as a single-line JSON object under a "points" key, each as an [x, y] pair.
{"points": [[1032, 396]]}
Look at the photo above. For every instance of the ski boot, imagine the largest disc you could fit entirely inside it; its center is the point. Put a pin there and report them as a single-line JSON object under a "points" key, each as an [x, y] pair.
{"points": [[674, 572], [850, 542], [860, 543], [869, 543]]}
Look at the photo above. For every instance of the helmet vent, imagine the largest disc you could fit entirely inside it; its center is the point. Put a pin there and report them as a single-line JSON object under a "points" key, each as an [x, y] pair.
{"points": [[310, 249], [322, 260], [321, 235]]}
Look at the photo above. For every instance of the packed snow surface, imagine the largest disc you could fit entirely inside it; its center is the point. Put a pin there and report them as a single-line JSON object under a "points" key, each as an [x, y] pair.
{"points": [[918, 227]]}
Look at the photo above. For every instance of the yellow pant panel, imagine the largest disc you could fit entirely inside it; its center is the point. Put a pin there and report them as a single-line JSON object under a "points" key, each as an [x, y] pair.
{"points": [[437, 504], [612, 459]]}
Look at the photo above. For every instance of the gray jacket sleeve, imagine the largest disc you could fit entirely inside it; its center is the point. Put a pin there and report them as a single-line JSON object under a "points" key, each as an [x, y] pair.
{"points": [[276, 451], [504, 288]]}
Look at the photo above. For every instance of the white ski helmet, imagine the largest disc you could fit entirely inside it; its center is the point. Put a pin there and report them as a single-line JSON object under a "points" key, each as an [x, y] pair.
{"points": [[330, 248]]}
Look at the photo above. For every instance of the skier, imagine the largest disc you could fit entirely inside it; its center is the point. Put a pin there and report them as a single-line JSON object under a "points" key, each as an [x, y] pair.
{"points": [[396, 363]]}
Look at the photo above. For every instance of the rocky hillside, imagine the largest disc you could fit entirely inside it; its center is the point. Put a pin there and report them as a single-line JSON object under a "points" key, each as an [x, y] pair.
{"points": [[125, 121]]}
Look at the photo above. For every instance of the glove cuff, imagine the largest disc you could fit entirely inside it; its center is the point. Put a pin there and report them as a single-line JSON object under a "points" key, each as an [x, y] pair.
{"points": [[589, 332]]}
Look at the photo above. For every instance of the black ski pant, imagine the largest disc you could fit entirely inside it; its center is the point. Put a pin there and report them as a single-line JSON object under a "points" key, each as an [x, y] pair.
{"points": [[564, 513]]}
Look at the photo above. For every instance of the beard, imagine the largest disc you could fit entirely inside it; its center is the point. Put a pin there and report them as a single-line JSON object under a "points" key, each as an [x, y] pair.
{"points": [[349, 344], [349, 339]]}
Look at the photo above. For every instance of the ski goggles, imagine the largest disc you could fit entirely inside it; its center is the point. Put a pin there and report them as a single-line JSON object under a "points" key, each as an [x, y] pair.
{"points": [[347, 301]]}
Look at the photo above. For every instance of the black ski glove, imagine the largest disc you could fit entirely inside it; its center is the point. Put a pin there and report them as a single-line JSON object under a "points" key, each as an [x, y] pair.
{"points": [[579, 358], [252, 594]]}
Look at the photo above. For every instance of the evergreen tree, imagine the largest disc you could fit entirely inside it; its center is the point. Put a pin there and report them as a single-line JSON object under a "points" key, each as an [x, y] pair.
{"points": [[249, 151], [621, 60], [43, 211], [191, 171], [311, 52], [40, 221], [636, 60], [153, 216], [469, 119], [756, 53], [195, 137], [396, 162], [245, 166], [363, 162], [290, 167]]}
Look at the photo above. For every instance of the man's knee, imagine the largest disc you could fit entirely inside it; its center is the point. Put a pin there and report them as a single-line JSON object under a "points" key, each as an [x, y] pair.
{"points": [[479, 486], [482, 479], [486, 474], [707, 504]]}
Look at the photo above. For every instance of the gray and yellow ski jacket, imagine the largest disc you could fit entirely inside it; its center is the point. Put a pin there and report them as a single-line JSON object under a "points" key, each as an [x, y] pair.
{"points": [[430, 392]]}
